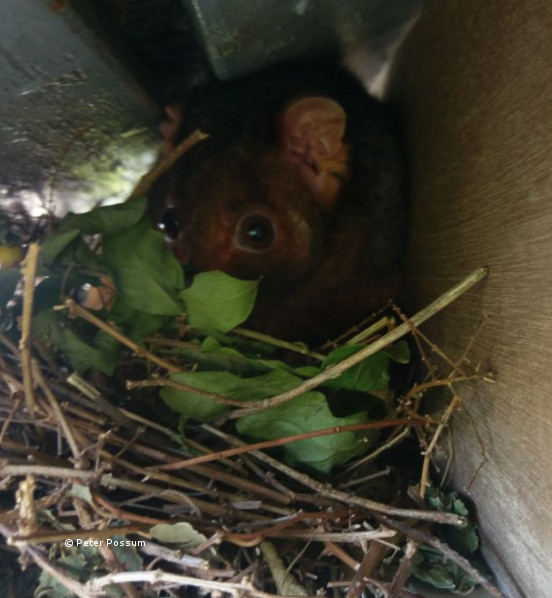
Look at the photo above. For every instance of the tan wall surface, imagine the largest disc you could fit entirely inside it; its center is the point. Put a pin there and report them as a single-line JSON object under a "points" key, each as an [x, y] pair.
{"points": [[474, 81]]}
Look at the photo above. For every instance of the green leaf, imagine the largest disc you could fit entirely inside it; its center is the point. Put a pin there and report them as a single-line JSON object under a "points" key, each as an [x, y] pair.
{"points": [[127, 555], [203, 409], [215, 356], [43, 323], [113, 591], [307, 371], [182, 534], [399, 352], [59, 248], [212, 345], [235, 361], [108, 346], [464, 583], [75, 564], [48, 587], [370, 374], [86, 258], [146, 274], [430, 565], [107, 219], [136, 324], [432, 568], [83, 356], [246, 346], [463, 539], [65, 249], [82, 492], [306, 413], [8, 282], [435, 575], [216, 301]]}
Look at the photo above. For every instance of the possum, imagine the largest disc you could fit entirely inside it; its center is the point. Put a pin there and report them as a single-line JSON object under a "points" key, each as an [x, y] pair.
{"points": [[300, 184]]}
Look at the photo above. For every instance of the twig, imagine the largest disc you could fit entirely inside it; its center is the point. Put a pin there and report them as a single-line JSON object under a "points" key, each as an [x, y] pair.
{"points": [[375, 453], [110, 481], [357, 481], [99, 402], [25, 342], [82, 413], [167, 162], [448, 463], [370, 321], [472, 340], [7, 468], [375, 554], [58, 537], [383, 342], [282, 529], [9, 345], [114, 512], [424, 481], [330, 492], [149, 424], [77, 310], [284, 580], [342, 537], [484, 452], [193, 564], [54, 571], [425, 538], [252, 405], [342, 555], [271, 340], [11, 517], [133, 384], [210, 473], [11, 415], [385, 322], [162, 477], [213, 360], [111, 560], [70, 437], [418, 334], [158, 577], [403, 572], [294, 438], [418, 389]]}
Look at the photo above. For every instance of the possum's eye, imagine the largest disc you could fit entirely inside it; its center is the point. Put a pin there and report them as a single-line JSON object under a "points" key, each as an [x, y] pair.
{"points": [[169, 224], [255, 232]]}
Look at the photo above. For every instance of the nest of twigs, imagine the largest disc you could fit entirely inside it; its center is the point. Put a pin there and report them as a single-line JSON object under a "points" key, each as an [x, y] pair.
{"points": [[107, 492]]}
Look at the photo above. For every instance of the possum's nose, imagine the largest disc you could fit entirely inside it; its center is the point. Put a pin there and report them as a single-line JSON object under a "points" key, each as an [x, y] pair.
{"points": [[169, 223], [175, 235]]}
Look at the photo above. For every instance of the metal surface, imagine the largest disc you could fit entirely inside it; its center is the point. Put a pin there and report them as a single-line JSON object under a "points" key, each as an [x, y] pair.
{"points": [[245, 35], [73, 124], [75, 128]]}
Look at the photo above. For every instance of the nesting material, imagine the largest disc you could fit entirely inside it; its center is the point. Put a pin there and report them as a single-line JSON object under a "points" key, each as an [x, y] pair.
{"points": [[151, 444]]}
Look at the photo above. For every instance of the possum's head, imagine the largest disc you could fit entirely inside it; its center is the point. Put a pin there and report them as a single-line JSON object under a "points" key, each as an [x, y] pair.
{"points": [[251, 207]]}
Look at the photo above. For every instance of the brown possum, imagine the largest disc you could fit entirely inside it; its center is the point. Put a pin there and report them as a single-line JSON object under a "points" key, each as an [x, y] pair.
{"points": [[301, 184]]}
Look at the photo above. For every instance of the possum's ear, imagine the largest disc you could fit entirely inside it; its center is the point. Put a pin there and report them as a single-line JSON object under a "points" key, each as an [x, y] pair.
{"points": [[170, 127], [313, 130]]}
